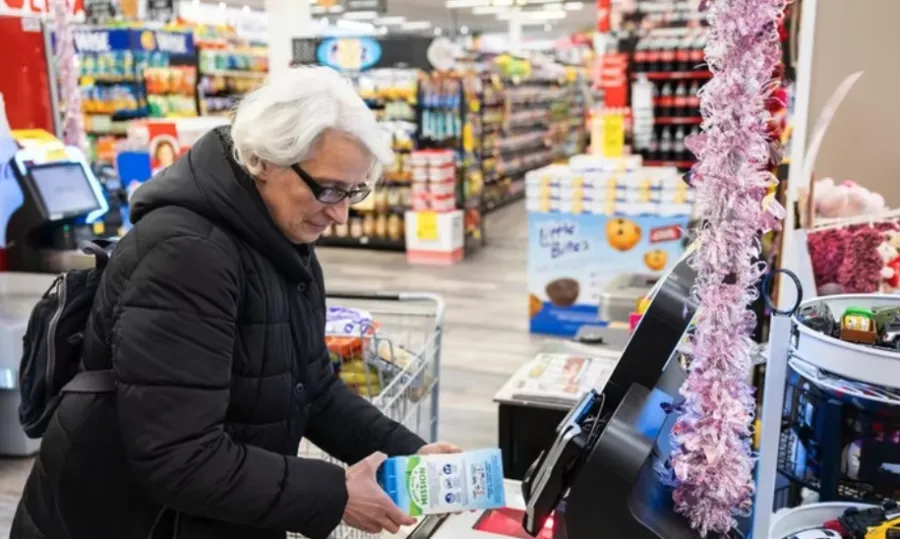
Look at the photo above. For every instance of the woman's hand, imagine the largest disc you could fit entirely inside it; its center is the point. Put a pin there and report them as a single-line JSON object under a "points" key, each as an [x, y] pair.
{"points": [[368, 507], [439, 448]]}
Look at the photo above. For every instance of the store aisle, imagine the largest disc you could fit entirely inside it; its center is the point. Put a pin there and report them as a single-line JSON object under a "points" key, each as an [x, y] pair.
{"points": [[486, 335]]}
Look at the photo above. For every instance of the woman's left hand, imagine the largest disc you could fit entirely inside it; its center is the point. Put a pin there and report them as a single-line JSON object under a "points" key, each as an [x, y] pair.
{"points": [[439, 448]]}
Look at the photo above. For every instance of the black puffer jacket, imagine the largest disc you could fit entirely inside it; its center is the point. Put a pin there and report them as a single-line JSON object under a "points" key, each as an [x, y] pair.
{"points": [[214, 324]]}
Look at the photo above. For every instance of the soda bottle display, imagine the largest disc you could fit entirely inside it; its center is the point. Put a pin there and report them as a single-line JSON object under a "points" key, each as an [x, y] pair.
{"points": [[679, 101], [679, 152], [665, 145], [665, 102], [692, 101]]}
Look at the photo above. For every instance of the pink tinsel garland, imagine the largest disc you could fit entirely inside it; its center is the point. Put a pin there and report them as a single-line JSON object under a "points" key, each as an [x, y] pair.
{"points": [[711, 458], [69, 93]]}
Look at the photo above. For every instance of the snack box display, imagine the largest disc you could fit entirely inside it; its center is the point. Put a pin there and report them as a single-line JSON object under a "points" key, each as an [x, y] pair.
{"points": [[448, 483]]}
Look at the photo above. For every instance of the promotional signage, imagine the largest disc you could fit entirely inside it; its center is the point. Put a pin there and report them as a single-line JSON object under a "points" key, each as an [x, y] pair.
{"points": [[361, 53], [98, 11], [120, 39], [35, 7], [161, 10]]}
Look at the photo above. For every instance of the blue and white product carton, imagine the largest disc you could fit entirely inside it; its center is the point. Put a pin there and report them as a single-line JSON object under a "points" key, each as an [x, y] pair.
{"points": [[446, 483], [597, 239]]}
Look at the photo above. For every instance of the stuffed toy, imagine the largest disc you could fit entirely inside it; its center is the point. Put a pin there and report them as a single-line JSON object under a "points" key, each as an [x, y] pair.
{"points": [[847, 199]]}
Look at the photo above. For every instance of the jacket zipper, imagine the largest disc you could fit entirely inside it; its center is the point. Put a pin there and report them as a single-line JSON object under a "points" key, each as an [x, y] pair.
{"points": [[51, 333]]}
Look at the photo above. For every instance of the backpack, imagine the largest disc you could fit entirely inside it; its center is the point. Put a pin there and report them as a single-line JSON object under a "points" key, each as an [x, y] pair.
{"points": [[51, 347]]}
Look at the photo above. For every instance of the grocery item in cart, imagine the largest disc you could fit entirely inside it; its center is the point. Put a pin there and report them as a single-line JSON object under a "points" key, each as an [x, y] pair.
{"points": [[348, 334], [439, 484]]}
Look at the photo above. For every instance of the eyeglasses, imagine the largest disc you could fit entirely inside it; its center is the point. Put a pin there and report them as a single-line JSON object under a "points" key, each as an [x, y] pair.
{"points": [[332, 195]]}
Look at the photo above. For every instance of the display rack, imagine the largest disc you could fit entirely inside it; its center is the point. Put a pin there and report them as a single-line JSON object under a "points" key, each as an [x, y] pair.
{"points": [[228, 69], [378, 222]]}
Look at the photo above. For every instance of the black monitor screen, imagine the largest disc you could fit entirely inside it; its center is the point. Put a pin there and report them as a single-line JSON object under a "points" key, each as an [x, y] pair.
{"points": [[65, 189]]}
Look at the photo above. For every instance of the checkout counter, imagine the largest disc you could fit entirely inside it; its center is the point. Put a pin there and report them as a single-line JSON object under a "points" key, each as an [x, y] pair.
{"points": [[598, 478], [62, 203]]}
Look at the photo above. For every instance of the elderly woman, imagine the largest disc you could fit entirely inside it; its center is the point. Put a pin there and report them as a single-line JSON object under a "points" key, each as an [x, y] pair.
{"points": [[212, 313]]}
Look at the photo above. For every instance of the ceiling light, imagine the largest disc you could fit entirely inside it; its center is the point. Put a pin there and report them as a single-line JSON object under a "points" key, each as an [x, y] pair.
{"points": [[502, 2], [464, 30], [489, 10], [541, 15], [318, 10], [573, 6], [222, 5], [548, 27], [457, 4], [246, 9], [438, 31], [382, 30], [391, 20], [336, 9], [416, 25], [361, 15], [555, 6], [533, 2]]}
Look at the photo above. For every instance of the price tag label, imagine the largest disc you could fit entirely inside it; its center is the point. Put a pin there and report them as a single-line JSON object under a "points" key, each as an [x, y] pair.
{"points": [[613, 135], [427, 226]]}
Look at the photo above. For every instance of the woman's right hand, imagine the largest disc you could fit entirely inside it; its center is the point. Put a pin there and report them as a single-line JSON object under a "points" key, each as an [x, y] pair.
{"points": [[368, 507]]}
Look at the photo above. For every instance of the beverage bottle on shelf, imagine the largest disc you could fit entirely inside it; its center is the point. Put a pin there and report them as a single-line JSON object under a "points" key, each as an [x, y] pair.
{"points": [[639, 59], [653, 149], [683, 53], [664, 108], [651, 57], [698, 55], [665, 145], [667, 55], [692, 101], [679, 101], [679, 153]]}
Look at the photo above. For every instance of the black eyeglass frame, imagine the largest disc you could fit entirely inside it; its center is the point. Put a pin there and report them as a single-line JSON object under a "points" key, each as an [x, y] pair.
{"points": [[332, 195]]}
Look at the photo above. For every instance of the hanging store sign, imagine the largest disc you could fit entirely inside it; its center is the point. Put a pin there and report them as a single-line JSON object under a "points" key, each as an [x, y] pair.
{"points": [[122, 39], [349, 53], [362, 53]]}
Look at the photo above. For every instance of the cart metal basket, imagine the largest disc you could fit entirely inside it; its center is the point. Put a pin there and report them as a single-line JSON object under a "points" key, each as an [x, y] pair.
{"points": [[394, 362]]}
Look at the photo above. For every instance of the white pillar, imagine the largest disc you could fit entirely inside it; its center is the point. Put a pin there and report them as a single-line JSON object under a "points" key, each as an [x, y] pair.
{"points": [[515, 30], [288, 19]]}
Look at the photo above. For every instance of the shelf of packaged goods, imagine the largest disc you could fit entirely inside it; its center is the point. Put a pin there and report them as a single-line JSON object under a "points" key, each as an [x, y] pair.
{"points": [[234, 73], [678, 120], [673, 75], [364, 242]]}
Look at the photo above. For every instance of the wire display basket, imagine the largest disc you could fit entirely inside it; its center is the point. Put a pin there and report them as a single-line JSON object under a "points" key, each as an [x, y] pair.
{"points": [[836, 444], [392, 357]]}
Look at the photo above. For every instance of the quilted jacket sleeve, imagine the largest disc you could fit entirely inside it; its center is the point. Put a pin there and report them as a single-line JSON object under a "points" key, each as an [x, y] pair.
{"points": [[172, 353], [346, 425]]}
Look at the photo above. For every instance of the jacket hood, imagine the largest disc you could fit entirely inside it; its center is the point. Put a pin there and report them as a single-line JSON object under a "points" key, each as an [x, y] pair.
{"points": [[208, 181]]}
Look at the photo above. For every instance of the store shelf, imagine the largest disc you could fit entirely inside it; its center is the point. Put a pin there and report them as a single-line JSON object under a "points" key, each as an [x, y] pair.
{"points": [[677, 164], [675, 120], [379, 244], [234, 73], [674, 75]]}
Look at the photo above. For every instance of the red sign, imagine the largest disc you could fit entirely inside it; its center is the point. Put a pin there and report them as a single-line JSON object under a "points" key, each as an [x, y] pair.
{"points": [[23, 8], [665, 233], [613, 79], [603, 9]]}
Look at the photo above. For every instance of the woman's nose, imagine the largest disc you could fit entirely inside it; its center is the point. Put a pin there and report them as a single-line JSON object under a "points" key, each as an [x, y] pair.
{"points": [[339, 213]]}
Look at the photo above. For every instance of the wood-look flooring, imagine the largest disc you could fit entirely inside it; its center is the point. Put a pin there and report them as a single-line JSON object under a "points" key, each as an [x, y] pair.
{"points": [[485, 334]]}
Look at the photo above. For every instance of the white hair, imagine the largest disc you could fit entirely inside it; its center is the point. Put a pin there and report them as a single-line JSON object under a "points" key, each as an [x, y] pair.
{"points": [[281, 121]]}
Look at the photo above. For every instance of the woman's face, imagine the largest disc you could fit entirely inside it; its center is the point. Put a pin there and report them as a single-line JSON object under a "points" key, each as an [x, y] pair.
{"points": [[338, 161]]}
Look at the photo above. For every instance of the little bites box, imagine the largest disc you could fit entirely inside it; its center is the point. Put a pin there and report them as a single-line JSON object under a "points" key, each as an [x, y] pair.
{"points": [[577, 262]]}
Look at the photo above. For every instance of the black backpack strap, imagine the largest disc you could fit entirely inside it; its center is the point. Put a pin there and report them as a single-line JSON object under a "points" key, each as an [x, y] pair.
{"points": [[92, 382], [101, 248]]}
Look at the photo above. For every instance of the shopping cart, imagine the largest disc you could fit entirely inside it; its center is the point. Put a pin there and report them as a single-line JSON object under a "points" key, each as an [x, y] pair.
{"points": [[394, 362]]}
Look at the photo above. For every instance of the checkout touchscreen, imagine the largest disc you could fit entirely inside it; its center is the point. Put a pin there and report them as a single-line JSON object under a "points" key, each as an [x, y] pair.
{"points": [[65, 190]]}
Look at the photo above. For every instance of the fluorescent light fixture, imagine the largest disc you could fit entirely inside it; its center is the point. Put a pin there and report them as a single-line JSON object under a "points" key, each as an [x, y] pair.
{"points": [[246, 9], [573, 6], [459, 4], [438, 31], [336, 9], [464, 30], [361, 15], [382, 30], [391, 20], [537, 2], [489, 10], [317, 10], [540, 16], [557, 6], [222, 6], [358, 26], [502, 2], [416, 25]]}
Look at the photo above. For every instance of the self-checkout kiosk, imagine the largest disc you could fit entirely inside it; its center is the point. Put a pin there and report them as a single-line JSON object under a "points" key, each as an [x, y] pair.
{"points": [[600, 478], [62, 201]]}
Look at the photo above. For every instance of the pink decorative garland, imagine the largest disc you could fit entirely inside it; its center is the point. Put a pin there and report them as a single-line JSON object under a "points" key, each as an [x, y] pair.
{"points": [[711, 458], [69, 93]]}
